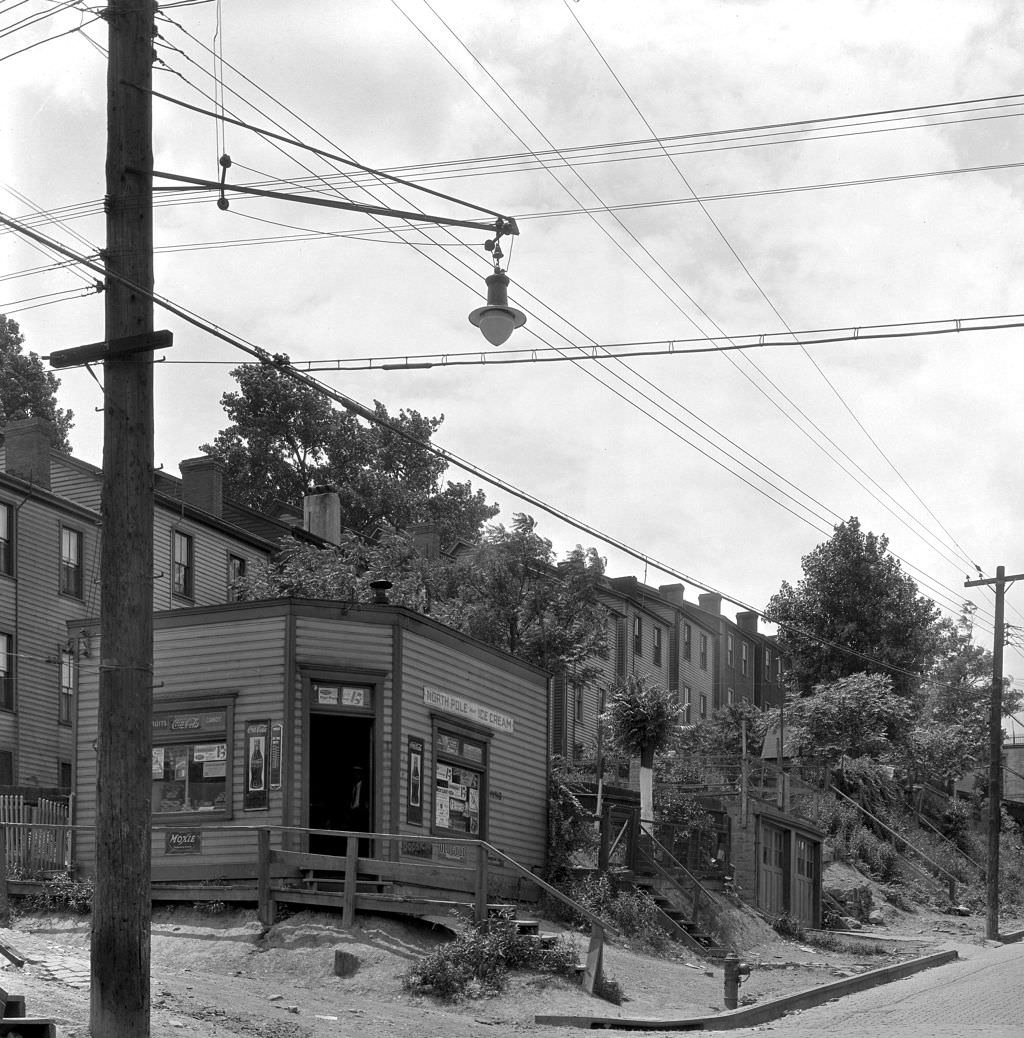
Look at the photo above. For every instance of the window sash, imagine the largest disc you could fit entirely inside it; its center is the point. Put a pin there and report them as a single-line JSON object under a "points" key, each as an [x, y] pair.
{"points": [[70, 562], [657, 646], [6, 672], [182, 564], [6, 538], [68, 678]]}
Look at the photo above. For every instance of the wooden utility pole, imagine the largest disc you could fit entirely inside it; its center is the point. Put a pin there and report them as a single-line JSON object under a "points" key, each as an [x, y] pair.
{"points": [[120, 1006], [995, 751]]}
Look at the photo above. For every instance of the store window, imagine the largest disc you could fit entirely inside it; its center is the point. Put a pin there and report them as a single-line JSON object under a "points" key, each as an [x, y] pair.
{"points": [[460, 784], [70, 562], [192, 760]]}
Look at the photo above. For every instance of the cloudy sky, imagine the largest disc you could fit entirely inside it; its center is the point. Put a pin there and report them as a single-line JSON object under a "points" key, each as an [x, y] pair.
{"points": [[678, 170]]}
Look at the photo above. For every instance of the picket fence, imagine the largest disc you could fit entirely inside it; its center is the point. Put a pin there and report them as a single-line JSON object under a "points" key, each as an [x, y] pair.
{"points": [[38, 834]]}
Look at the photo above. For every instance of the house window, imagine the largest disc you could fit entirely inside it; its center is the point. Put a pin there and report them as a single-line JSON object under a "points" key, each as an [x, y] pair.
{"points": [[767, 665], [6, 767], [656, 634], [744, 658], [687, 641], [703, 704], [6, 538], [638, 636], [70, 562], [703, 652], [67, 686], [730, 696], [579, 701], [191, 760], [685, 704], [6, 672], [778, 668], [184, 570], [460, 783], [236, 571], [730, 651], [64, 775]]}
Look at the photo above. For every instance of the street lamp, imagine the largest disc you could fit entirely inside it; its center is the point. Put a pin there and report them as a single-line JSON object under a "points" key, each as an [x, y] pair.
{"points": [[497, 320]]}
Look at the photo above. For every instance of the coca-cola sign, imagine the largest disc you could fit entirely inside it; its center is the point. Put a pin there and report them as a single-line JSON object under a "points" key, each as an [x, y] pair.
{"points": [[183, 841]]}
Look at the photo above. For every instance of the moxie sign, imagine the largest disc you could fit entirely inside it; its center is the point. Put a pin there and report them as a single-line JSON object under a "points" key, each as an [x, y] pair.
{"points": [[183, 841]]}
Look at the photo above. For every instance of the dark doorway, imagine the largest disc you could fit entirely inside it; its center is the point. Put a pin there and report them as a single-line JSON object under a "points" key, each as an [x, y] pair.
{"points": [[340, 780]]}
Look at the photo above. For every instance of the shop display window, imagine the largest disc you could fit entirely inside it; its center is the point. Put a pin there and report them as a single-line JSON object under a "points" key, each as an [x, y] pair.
{"points": [[460, 784], [191, 760]]}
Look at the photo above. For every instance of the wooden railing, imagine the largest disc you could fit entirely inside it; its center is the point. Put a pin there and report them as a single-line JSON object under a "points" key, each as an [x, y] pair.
{"points": [[443, 879]]}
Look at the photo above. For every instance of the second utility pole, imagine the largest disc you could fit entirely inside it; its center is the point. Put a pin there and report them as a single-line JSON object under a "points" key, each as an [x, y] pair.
{"points": [[995, 751]]}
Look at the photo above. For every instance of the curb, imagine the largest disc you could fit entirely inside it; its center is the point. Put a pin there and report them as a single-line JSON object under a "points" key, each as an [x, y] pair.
{"points": [[1012, 937], [763, 1013]]}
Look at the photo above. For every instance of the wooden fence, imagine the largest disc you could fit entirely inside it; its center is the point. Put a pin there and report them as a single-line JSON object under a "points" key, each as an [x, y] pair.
{"points": [[38, 835]]}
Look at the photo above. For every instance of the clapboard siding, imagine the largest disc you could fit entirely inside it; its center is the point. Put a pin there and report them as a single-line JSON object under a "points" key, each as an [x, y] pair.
{"points": [[38, 618], [518, 766], [220, 655], [210, 550]]}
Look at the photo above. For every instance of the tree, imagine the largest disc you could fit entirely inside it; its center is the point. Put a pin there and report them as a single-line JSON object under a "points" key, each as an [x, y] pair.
{"points": [[643, 716], [507, 592], [952, 734], [857, 716], [854, 611], [512, 594], [286, 439], [27, 389]]}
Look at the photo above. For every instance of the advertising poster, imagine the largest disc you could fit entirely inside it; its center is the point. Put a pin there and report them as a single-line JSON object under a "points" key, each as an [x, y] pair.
{"points": [[257, 751], [414, 797]]}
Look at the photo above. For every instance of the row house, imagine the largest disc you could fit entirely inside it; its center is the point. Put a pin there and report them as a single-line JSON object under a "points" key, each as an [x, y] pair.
{"points": [[707, 659], [748, 665], [50, 533]]}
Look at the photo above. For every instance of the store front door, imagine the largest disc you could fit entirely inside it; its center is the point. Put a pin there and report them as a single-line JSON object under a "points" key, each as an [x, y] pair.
{"points": [[341, 794]]}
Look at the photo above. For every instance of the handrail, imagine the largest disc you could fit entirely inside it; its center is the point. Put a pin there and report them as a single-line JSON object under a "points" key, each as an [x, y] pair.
{"points": [[924, 857], [593, 919]]}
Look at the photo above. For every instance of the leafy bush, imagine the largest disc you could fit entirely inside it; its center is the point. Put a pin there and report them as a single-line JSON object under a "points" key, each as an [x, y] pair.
{"points": [[476, 964], [788, 926], [62, 893], [572, 833], [632, 912]]}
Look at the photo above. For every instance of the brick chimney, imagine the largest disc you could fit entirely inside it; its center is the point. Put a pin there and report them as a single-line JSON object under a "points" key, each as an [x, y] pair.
{"points": [[710, 603], [674, 593], [747, 621], [321, 514], [27, 444], [202, 483]]}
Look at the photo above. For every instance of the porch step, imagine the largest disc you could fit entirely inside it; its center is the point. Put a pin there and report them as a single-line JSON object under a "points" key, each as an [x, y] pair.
{"points": [[15, 1022]]}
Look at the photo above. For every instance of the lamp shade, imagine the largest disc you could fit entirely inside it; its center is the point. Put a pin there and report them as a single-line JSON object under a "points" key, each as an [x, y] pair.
{"points": [[497, 320]]}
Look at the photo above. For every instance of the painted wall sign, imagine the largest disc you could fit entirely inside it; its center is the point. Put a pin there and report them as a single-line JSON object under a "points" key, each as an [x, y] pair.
{"points": [[199, 721], [417, 849], [183, 841], [257, 752], [467, 709]]}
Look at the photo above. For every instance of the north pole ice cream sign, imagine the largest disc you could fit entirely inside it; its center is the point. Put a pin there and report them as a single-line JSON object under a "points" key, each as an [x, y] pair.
{"points": [[467, 709]]}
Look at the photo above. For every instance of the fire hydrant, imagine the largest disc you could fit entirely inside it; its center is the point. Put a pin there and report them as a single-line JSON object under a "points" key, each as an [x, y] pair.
{"points": [[735, 973]]}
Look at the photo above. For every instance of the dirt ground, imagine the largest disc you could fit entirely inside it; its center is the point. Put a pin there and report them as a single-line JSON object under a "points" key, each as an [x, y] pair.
{"points": [[222, 977]]}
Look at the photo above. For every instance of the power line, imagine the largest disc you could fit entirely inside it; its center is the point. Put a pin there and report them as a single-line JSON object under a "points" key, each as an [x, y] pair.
{"points": [[775, 310], [282, 365], [647, 413], [816, 441]]}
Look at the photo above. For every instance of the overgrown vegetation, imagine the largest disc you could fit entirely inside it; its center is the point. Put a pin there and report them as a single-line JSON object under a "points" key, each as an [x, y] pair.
{"points": [[632, 912], [58, 893], [476, 964]]}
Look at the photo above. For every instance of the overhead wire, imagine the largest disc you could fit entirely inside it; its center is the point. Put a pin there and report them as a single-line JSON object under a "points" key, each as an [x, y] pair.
{"points": [[775, 310], [716, 446], [625, 252], [281, 364]]}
